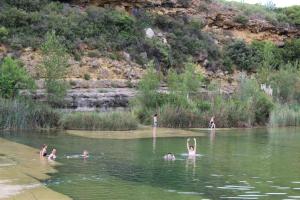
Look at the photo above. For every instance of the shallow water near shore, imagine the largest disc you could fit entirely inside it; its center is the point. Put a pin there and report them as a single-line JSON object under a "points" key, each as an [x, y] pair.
{"points": [[233, 164]]}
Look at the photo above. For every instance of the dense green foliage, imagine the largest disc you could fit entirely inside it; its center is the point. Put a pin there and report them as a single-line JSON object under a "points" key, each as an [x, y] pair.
{"points": [[114, 121], [242, 55], [54, 68], [261, 54], [13, 78], [185, 106], [26, 114]]}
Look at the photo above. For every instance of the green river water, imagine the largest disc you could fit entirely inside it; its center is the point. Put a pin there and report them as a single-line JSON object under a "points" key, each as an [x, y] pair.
{"points": [[233, 164]]}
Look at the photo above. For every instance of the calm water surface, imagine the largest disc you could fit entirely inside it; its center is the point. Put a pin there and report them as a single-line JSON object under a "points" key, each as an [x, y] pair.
{"points": [[239, 164]]}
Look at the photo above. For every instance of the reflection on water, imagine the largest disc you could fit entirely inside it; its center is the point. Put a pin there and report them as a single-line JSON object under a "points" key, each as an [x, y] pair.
{"points": [[191, 164], [154, 139], [240, 164]]}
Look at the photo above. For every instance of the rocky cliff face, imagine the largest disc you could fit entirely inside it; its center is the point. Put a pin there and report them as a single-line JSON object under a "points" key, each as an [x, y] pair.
{"points": [[92, 99]]}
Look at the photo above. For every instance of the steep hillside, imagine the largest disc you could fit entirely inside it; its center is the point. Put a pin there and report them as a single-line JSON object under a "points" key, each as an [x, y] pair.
{"points": [[112, 42]]}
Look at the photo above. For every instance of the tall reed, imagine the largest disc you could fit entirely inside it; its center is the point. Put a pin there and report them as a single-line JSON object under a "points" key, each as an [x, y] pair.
{"points": [[284, 115], [114, 121], [26, 114]]}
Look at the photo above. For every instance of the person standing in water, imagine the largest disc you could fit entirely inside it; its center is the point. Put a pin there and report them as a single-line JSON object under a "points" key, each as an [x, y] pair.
{"points": [[191, 149], [155, 120], [43, 151], [212, 122], [52, 156]]}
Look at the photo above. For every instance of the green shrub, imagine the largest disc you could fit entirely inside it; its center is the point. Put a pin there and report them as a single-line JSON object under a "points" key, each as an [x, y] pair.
{"points": [[115, 121], [87, 77], [291, 51], [228, 64], [3, 32], [13, 78], [241, 19], [26, 114]]}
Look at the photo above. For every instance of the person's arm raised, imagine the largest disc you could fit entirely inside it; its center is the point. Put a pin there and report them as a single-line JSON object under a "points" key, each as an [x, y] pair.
{"points": [[195, 141]]}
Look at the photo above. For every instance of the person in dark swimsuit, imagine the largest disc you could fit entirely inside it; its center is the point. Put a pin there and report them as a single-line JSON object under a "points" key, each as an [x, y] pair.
{"points": [[43, 152]]}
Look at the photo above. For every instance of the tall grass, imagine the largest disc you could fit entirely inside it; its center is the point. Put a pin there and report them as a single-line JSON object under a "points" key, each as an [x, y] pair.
{"points": [[114, 121], [284, 115], [177, 117], [26, 114]]}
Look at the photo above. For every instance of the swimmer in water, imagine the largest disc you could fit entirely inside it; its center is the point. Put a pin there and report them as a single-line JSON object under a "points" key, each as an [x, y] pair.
{"points": [[191, 149], [52, 156], [169, 156], [85, 154], [43, 151]]}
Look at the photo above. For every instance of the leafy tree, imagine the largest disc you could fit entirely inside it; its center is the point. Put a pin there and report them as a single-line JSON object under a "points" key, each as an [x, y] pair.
{"points": [[269, 58], [54, 68], [185, 83], [13, 78], [148, 88]]}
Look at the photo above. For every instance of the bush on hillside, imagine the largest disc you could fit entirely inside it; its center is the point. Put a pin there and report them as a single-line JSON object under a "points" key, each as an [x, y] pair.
{"points": [[241, 19], [242, 55]]}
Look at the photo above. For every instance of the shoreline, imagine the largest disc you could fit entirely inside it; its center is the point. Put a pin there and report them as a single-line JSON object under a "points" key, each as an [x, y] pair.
{"points": [[20, 172]]}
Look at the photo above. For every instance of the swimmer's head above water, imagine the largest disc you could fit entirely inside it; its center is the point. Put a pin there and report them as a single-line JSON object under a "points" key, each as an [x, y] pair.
{"points": [[169, 156], [85, 154]]}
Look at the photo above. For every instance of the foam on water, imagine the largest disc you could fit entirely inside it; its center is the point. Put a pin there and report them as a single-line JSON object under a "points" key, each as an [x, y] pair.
{"points": [[238, 198], [217, 175], [252, 192], [187, 155], [280, 187], [236, 187], [190, 193], [276, 193]]}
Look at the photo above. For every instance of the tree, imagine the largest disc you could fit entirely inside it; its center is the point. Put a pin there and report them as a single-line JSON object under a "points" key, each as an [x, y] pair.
{"points": [[13, 78], [186, 83], [148, 87], [54, 68]]}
